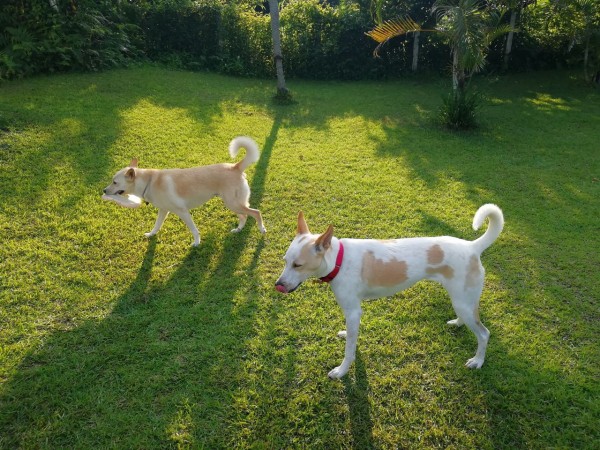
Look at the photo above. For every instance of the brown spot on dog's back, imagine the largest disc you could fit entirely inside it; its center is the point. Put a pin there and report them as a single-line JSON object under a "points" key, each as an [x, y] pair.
{"points": [[435, 254], [159, 181], [377, 272], [185, 184], [473, 272], [446, 271]]}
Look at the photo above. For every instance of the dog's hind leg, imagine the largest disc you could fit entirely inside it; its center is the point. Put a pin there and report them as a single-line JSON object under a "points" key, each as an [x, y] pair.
{"points": [[160, 219], [257, 216], [466, 306], [189, 221], [242, 221], [243, 210]]}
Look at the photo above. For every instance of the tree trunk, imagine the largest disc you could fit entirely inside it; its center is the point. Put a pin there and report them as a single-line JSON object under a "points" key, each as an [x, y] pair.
{"points": [[454, 70], [586, 54], [415, 59], [509, 38], [274, 12]]}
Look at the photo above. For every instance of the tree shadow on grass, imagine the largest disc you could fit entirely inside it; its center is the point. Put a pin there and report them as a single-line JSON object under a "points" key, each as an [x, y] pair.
{"points": [[543, 303], [167, 355]]}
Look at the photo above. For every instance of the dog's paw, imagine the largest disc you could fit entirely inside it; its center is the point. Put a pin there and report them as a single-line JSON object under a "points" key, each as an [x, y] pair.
{"points": [[337, 373], [474, 363], [236, 230], [149, 235], [342, 334], [263, 230], [455, 322]]}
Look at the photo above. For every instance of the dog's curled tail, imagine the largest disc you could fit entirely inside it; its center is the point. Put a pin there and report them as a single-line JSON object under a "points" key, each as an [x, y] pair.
{"points": [[494, 228], [252, 153]]}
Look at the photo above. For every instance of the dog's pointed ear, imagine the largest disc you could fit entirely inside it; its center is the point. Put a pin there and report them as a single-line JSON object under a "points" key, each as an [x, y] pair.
{"points": [[302, 227], [133, 162], [323, 242], [130, 174]]}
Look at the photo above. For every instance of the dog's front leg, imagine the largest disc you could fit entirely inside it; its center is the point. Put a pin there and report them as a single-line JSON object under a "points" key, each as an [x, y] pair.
{"points": [[351, 335], [160, 219], [187, 218]]}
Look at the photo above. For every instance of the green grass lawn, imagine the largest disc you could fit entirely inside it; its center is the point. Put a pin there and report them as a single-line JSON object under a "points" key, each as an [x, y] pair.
{"points": [[111, 340]]}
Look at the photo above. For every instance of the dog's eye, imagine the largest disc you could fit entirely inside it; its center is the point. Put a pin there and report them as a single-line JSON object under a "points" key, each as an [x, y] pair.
{"points": [[296, 265]]}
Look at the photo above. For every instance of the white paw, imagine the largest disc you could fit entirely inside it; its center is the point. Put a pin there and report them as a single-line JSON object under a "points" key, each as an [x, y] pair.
{"points": [[263, 230], [149, 235], [474, 363], [455, 322], [196, 244], [337, 373], [236, 230], [342, 334]]}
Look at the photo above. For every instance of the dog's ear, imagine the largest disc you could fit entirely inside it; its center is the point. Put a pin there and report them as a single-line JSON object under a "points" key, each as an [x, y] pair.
{"points": [[323, 242], [133, 162], [130, 174], [302, 227]]}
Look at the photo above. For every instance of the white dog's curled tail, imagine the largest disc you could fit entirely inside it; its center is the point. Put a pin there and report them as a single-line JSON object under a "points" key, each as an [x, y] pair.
{"points": [[494, 228], [252, 153]]}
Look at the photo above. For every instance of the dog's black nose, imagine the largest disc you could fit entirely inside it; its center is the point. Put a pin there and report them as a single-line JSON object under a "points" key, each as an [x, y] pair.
{"points": [[104, 190]]}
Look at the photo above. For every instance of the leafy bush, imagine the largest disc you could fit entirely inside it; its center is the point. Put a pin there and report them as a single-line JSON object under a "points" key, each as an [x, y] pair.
{"points": [[320, 41], [459, 108], [35, 37], [184, 35]]}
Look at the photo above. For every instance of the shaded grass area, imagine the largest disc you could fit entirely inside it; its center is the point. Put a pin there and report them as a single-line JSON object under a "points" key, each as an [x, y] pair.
{"points": [[108, 339]]}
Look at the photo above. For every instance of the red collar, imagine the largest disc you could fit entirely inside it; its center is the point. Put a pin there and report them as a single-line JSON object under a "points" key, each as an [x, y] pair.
{"points": [[336, 269]]}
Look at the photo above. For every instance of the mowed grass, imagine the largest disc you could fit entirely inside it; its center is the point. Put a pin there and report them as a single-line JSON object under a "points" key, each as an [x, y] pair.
{"points": [[111, 340]]}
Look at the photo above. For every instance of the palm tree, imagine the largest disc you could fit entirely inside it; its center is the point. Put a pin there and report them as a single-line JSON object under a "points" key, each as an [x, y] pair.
{"points": [[468, 26], [418, 9]]}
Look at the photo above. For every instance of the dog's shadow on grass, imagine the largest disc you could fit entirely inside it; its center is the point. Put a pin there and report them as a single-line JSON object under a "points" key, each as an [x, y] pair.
{"points": [[357, 395], [167, 354]]}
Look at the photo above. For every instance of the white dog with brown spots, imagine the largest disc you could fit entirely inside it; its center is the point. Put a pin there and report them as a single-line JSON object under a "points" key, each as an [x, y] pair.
{"points": [[359, 269], [179, 190]]}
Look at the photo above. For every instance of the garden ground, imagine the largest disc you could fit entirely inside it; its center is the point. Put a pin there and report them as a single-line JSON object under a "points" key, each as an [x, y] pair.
{"points": [[109, 339]]}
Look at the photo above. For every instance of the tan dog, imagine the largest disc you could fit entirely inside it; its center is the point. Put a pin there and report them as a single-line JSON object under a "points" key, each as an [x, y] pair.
{"points": [[179, 190], [359, 269]]}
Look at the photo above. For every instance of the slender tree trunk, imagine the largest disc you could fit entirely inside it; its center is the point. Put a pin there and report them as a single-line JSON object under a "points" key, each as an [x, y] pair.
{"points": [[509, 38], [586, 54], [454, 70], [275, 33], [415, 60]]}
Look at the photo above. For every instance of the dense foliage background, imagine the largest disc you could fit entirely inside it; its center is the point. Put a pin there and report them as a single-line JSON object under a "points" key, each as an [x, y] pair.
{"points": [[321, 39]]}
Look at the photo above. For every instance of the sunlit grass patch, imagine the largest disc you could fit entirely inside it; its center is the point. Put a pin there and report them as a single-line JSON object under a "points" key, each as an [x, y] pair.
{"points": [[108, 339]]}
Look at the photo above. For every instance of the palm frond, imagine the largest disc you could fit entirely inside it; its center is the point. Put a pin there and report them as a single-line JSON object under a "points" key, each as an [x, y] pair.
{"points": [[391, 29]]}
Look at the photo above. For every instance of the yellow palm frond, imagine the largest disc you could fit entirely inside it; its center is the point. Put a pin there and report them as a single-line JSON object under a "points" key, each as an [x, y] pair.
{"points": [[391, 29]]}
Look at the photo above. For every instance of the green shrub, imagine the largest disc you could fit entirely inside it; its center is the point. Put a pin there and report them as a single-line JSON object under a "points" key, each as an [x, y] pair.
{"points": [[183, 35], [321, 41], [34, 38], [459, 108]]}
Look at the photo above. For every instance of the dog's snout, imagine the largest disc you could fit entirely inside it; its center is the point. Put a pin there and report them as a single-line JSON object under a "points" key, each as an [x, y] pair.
{"points": [[280, 287]]}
